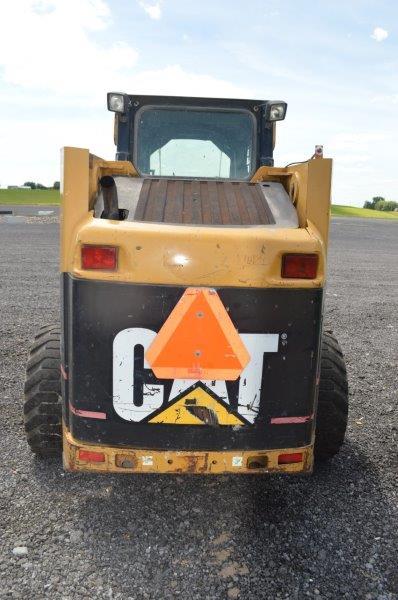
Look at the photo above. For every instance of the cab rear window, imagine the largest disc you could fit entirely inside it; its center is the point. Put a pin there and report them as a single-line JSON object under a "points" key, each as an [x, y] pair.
{"points": [[190, 142]]}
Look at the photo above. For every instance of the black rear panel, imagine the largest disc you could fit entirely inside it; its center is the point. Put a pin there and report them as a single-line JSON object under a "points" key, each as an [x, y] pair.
{"points": [[95, 312]]}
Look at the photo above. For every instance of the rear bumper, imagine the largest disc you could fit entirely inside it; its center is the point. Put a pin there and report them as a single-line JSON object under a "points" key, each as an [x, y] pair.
{"points": [[133, 460]]}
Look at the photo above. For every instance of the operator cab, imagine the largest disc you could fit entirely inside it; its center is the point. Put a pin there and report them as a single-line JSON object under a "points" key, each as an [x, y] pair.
{"points": [[194, 159], [171, 136]]}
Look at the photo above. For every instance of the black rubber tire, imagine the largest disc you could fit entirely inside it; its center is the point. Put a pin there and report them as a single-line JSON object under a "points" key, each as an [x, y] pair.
{"points": [[332, 413], [43, 396]]}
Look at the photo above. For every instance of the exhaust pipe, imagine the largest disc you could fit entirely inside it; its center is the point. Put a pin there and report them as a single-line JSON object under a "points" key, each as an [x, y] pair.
{"points": [[109, 193]]}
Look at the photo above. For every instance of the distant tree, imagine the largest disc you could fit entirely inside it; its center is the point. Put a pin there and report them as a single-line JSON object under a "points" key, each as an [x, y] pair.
{"points": [[56, 185], [40, 186], [372, 203], [379, 205], [387, 205], [30, 184]]}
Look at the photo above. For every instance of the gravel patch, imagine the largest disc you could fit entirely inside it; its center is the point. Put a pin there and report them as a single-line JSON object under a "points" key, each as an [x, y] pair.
{"points": [[332, 535], [43, 219], [17, 220]]}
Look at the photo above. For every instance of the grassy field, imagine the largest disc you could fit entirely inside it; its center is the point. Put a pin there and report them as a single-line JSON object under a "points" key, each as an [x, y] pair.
{"points": [[366, 213], [29, 197], [52, 197]]}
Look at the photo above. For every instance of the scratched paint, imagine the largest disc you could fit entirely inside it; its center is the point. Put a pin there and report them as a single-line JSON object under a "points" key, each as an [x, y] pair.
{"points": [[154, 396]]}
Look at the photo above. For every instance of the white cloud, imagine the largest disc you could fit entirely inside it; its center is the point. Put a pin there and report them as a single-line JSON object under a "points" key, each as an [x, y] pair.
{"points": [[57, 54], [354, 150], [153, 10], [44, 137], [385, 99], [379, 34], [359, 164], [174, 80], [57, 63], [60, 65], [353, 142]]}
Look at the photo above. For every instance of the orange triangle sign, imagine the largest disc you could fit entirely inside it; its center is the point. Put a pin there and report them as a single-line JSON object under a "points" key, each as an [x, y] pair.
{"points": [[198, 341]]}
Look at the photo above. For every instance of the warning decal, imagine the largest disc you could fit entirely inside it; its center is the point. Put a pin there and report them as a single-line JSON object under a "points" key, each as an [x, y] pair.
{"points": [[197, 407]]}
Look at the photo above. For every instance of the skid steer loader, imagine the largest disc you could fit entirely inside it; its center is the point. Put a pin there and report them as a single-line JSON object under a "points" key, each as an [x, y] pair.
{"points": [[192, 279]]}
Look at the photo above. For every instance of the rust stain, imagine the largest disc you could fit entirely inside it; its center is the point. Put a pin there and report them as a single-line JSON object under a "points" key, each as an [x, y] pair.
{"points": [[206, 462], [191, 463], [177, 462], [126, 461]]}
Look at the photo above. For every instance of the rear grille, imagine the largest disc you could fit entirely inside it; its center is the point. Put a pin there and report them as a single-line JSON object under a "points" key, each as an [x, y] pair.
{"points": [[202, 203]]}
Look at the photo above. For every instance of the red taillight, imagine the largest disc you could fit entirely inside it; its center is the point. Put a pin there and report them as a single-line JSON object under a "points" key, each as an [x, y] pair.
{"points": [[90, 456], [99, 257], [299, 266], [287, 459]]}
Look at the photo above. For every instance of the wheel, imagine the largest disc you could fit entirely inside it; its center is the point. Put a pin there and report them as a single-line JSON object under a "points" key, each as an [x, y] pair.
{"points": [[43, 396], [332, 413]]}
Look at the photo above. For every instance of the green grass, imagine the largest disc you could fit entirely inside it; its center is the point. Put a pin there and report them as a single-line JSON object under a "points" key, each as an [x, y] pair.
{"points": [[52, 197], [354, 211], [29, 197]]}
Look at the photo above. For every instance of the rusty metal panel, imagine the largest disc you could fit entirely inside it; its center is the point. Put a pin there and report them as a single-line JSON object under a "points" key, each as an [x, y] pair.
{"points": [[138, 460]]}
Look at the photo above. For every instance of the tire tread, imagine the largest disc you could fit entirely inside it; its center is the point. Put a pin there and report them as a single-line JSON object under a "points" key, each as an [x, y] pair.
{"points": [[332, 413], [42, 389]]}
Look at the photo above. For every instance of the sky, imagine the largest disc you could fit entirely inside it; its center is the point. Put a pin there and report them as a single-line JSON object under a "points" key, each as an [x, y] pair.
{"points": [[335, 63]]}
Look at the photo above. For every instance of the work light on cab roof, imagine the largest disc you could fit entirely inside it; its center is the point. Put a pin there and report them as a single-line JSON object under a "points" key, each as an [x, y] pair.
{"points": [[274, 110]]}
